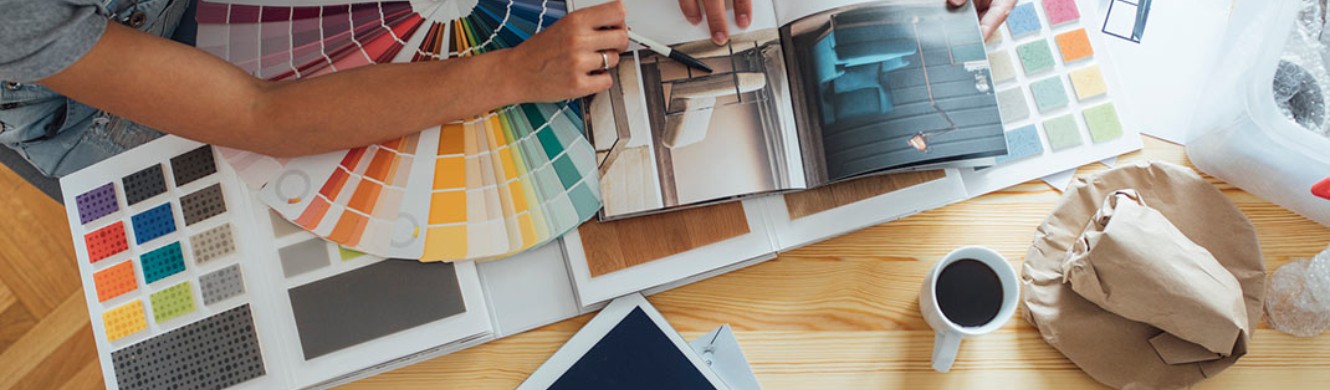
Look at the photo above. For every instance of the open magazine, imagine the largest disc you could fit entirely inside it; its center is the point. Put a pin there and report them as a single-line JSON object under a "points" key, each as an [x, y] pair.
{"points": [[812, 93]]}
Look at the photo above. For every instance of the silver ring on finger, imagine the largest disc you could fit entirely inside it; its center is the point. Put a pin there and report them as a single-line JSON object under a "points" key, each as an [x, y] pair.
{"points": [[604, 61]]}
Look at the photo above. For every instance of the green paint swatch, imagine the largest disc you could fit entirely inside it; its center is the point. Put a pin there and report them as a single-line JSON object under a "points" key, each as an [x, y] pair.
{"points": [[172, 302], [1103, 123], [1062, 133], [1035, 56], [348, 254], [1049, 94]]}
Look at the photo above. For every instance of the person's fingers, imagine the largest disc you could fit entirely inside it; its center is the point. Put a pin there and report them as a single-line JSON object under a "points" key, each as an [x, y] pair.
{"points": [[605, 15], [743, 13], [616, 39], [715, 10], [595, 83], [996, 14], [691, 11], [598, 62], [955, 3]]}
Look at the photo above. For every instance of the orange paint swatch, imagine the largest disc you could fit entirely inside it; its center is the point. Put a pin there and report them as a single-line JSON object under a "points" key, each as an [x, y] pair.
{"points": [[115, 281], [452, 139], [309, 219], [380, 165], [349, 228], [449, 173], [1074, 45], [447, 207], [363, 198]]}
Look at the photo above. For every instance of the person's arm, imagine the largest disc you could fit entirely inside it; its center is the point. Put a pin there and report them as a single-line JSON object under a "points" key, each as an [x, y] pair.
{"points": [[187, 92]]}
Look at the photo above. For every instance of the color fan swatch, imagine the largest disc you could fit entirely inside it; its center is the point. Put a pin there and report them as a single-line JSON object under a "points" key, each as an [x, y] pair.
{"points": [[482, 188]]}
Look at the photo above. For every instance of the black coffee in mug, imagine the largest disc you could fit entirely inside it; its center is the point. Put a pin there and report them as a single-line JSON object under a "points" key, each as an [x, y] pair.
{"points": [[969, 293]]}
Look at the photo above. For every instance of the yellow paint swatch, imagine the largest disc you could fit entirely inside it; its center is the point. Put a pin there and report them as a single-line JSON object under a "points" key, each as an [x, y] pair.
{"points": [[124, 320], [450, 173], [1088, 82], [445, 242], [447, 207], [528, 230]]}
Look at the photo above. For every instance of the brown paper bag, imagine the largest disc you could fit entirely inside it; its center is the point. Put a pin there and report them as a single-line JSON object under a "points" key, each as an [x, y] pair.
{"points": [[1130, 260], [1115, 350]]}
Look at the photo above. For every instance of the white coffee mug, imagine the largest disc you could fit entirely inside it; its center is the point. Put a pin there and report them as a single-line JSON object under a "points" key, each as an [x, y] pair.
{"points": [[948, 340]]}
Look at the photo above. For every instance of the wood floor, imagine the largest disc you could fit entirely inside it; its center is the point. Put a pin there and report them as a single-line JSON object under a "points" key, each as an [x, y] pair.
{"points": [[45, 337]]}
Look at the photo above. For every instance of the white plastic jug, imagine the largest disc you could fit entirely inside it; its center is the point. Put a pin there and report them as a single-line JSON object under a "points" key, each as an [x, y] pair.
{"points": [[1239, 134]]}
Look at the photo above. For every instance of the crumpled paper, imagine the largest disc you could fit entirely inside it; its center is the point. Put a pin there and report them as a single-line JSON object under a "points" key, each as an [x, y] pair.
{"points": [[1113, 349], [1298, 299], [1133, 262]]}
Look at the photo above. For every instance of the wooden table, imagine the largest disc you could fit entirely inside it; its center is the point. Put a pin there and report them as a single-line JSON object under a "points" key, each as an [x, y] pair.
{"points": [[839, 314]]}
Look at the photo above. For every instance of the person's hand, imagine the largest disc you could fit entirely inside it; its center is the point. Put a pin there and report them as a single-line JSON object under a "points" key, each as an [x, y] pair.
{"points": [[991, 13], [570, 59], [715, 16]]}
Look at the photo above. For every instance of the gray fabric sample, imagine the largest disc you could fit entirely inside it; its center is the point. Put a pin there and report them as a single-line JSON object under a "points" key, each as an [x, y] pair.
{"points": [[372, 302], [304, 257]]}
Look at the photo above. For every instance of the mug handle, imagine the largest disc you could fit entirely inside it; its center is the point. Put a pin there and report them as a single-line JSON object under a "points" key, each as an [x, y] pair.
{"points": [[945, 347]]}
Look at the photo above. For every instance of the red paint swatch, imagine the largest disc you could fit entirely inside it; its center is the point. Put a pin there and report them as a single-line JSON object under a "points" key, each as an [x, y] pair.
{"points": [[106, 242]]}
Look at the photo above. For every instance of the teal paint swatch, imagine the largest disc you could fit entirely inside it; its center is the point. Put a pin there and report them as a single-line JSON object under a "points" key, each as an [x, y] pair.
{"points": [[1049, 94]]}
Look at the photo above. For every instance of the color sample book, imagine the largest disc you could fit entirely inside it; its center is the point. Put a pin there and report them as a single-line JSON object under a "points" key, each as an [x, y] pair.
{"points": [[481, 188], [1054, 95], [191, 282]]}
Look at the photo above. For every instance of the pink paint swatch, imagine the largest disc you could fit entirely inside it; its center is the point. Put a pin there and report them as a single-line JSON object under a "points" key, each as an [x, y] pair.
{"points": [[1061, 11]]}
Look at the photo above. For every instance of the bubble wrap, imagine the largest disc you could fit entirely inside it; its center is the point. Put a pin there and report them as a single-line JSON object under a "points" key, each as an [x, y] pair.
{"points": [[1297, 299], [1300, 82]]}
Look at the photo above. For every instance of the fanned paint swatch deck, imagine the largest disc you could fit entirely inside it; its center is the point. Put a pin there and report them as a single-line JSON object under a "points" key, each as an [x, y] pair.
{"points": [[486, 187]]}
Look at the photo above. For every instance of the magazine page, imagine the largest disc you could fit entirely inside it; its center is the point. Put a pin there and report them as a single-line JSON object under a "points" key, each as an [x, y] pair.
{"points": [[888, 85], [667, 135]]}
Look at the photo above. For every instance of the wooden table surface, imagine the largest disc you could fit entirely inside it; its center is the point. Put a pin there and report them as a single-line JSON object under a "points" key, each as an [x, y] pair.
{"points": [[839, 314]]}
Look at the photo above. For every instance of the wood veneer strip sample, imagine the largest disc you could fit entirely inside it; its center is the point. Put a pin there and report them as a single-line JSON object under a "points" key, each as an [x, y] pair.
{"points": [[616, 245], [804, 203]]}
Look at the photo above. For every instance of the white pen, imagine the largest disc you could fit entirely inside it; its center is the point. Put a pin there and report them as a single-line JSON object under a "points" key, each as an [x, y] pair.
{"points": [[668, 52]]}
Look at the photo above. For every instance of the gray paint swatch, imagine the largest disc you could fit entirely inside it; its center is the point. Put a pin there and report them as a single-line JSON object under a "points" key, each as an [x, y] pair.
{"points": [[372, 302], [202, 204], [213, 353], [222, 284], [193, 165], [213, 244], [144, 184], [304, 257]]}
